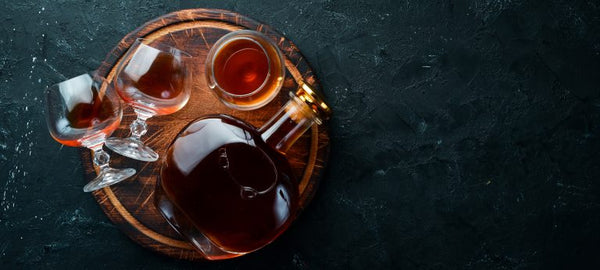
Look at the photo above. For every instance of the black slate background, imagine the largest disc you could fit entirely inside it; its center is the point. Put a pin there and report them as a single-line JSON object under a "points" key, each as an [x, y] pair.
{"points": [[465, 135]]}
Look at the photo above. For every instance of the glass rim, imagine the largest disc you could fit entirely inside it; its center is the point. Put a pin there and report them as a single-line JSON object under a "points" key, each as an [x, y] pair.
{"points": [[102, 82], [152, 43], [92, 74]]}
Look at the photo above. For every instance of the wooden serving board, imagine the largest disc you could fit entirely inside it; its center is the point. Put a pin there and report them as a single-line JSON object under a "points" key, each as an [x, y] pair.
{"points": [[129, 204]]}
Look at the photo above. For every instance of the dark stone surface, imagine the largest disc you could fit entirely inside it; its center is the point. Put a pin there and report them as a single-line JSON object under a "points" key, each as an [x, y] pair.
{"points": [[465, 136]]}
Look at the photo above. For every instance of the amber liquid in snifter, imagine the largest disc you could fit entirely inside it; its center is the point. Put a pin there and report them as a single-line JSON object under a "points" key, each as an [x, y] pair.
{"points": [[163, 81], [84, 115], [245, 70]]}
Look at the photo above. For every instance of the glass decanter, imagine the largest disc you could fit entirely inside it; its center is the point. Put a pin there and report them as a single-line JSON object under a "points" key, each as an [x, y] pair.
{"points": [[227, 187]]}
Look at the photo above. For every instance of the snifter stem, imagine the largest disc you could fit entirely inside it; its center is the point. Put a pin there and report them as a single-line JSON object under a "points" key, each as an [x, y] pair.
{"points": [[138, 128], [101, 158], [132, 146], [106, 175]]}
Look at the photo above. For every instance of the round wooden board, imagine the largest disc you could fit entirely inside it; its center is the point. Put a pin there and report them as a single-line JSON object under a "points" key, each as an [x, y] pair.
{"points": [[129, 204]]}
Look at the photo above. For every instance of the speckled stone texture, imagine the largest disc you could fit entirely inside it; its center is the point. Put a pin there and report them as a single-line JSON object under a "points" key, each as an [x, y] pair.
{"points": [[465, 135]]}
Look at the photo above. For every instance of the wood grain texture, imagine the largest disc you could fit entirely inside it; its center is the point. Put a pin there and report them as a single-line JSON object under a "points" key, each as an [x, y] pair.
{"points": [[130, 204]]}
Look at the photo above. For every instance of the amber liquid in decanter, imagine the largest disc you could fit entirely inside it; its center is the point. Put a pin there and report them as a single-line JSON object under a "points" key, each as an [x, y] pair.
{"points": [[235, 189], [227, 186]]}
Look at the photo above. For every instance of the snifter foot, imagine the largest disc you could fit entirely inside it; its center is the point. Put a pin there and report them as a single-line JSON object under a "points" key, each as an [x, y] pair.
{"points": [[132, 148], [107, 177]]}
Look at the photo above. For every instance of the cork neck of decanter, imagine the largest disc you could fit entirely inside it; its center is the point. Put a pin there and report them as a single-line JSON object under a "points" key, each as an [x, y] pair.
{"points": [[314, 100], [302, 111]]}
